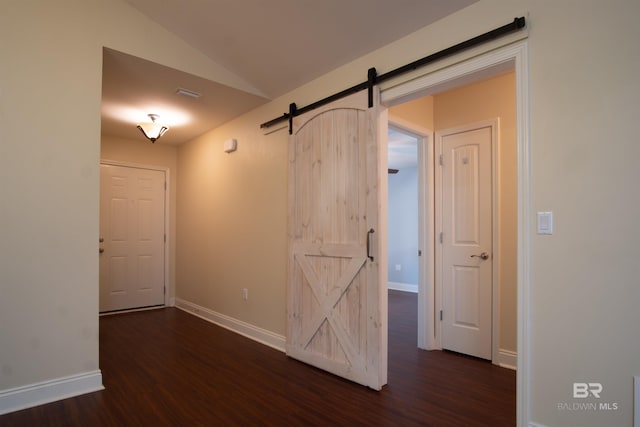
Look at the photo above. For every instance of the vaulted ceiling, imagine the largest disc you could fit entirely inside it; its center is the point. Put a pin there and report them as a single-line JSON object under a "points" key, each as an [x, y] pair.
{"points": [[274, 45]]}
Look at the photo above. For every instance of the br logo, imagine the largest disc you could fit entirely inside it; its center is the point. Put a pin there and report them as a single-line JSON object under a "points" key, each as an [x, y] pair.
{"points": [[584, 390]]}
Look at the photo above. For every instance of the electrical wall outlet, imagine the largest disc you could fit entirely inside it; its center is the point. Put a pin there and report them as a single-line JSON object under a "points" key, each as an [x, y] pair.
{"points": [[398, 267], [245, 294]]}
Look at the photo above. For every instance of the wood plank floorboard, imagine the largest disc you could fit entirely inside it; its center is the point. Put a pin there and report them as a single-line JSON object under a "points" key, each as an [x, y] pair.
{"points": [[169, 368]]}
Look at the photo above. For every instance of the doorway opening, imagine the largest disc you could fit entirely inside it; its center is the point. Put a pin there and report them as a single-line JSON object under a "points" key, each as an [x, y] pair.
{"points": [[409, 145], [403, 209], [133, 223], [454, 114], [512, 60]]}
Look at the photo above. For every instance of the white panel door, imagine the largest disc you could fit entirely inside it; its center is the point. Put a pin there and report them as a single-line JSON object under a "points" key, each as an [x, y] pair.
{"points": [[336, 307], [467, 241], [131, 237]]}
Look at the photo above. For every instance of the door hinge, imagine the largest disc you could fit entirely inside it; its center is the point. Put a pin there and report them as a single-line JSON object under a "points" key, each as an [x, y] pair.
{"points": [[164, 290], [441, 315], [441, 160], [165, 237], [441, 237]]}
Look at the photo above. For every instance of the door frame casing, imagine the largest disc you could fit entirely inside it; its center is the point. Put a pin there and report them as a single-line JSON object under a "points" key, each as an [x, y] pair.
{"points": [[510, 56], [494, 124], [167, 243]]}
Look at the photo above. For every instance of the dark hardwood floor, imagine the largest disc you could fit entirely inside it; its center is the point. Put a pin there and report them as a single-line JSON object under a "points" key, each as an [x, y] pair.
{"points": [[168, 368]]}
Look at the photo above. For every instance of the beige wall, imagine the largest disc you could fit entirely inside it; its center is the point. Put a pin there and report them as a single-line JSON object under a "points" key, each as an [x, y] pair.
{"points": [[489, 99], [232, 212], [584, 278], [562, 179], [418, 111], [142, 152], [50, 93], [583, 294]]}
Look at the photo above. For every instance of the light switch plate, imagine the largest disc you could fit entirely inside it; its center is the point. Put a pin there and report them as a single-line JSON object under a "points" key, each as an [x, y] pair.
{"points": [[545, 222]]}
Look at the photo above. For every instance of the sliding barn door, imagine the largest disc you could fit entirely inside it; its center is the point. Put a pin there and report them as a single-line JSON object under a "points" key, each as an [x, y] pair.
{"points": [[336, 309]]}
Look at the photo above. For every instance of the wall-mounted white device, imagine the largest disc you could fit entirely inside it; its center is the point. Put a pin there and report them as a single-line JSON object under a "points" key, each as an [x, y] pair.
{"points": [[230, 145], [545, 223]]}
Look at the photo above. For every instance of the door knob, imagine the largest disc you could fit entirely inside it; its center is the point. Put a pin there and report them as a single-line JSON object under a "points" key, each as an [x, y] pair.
{"points": [[100, 250], [482, 256]]}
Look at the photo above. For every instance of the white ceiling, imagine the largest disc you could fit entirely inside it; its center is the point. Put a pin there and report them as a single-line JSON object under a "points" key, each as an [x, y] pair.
{"points": [[403, 150], [275, 45], [132, 88]]}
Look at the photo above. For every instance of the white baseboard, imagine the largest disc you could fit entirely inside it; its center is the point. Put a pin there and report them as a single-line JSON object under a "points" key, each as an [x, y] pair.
{"points": [[507, 359], [28, 396], [248, 330], [406, 287]]}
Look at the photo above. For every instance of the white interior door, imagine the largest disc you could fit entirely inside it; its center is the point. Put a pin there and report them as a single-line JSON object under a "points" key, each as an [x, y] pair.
{"points": [[132, 237], [467, 240], [336, 293]]}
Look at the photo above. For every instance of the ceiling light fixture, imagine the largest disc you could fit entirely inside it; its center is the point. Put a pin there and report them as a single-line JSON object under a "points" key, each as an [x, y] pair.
{"points": [[152, 130]]}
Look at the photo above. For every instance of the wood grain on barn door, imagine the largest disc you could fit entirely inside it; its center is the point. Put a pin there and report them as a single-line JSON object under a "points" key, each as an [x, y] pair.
{"points": [[336, 309]]}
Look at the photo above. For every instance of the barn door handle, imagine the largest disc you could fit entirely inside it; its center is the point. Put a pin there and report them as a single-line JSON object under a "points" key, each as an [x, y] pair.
{"points": [[369, 233]]}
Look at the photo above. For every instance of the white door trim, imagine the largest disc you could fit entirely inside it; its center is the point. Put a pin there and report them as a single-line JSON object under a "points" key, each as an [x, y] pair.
{"points": [[515, 56], [494, 124], [426, 239], [167, 243]]}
